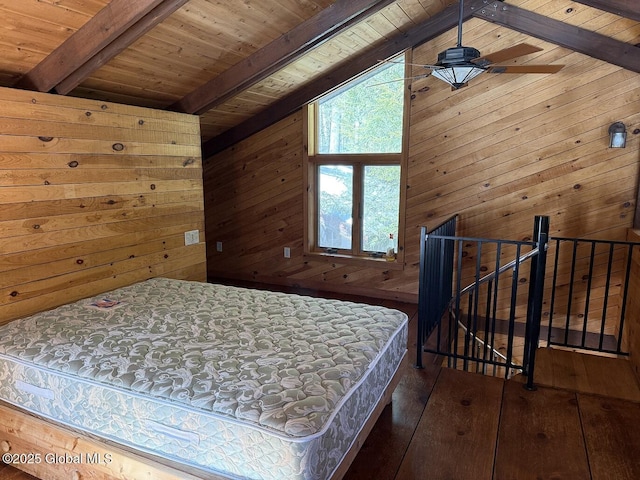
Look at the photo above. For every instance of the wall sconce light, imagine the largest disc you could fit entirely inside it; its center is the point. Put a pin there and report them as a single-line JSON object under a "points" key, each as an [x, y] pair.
{"points": [[617, 135]]}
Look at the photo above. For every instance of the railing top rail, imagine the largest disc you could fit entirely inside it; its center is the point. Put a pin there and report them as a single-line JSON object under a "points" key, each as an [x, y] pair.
{"points": [[594, 240], [483, 240]]}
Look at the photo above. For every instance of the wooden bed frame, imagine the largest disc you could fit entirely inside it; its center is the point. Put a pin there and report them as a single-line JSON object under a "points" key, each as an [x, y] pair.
{"points": [[53, 452]]}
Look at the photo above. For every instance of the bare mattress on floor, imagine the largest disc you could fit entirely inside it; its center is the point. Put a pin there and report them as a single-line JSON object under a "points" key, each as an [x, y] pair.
{"points": [[244, 383]]}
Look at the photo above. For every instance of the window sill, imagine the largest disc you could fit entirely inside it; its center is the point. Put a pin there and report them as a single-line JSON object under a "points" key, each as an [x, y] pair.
{"points": [[368, 262]]}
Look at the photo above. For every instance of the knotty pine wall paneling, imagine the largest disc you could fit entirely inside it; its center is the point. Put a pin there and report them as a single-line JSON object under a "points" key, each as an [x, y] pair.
{"points": [[509, 147], [498, 152], [93, 196], [254, 206], [633, 308]]}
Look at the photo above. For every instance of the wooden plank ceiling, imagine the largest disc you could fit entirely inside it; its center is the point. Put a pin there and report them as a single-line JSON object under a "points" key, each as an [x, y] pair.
{"points": [[242, 65]]}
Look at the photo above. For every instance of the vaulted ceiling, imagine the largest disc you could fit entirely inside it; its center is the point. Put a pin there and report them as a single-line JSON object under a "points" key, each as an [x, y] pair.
{"points": [[243, 64]]}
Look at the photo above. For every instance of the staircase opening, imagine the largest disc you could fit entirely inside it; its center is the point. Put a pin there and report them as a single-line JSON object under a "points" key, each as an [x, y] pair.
{"points": [[486, 305]]}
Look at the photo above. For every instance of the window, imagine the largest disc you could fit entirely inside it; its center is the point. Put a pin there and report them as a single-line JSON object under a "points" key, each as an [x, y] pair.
{"points": [[364, 116], [354, 166]]}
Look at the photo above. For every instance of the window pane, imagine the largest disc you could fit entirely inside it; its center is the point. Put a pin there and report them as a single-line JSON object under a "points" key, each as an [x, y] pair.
{"points": [[365, 116], [381, 207], [335, 200]]}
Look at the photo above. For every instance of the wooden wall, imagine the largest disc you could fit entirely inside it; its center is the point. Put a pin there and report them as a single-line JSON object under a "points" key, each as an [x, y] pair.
{"points": [[254, 206], [498, 152], [633, 308], [93, 196]]}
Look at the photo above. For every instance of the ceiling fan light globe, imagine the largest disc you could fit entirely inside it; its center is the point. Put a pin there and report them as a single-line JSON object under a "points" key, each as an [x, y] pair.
{"points": [[457, 75]]}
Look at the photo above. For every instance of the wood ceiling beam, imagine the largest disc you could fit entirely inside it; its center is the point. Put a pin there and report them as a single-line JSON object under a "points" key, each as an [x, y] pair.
{"points": [[277, 54], [431, 28], [108, 24], [119, 44], [554, 31], [624, 8]]}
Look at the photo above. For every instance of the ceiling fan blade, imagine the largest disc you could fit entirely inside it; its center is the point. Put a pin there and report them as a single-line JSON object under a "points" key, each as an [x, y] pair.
{"points": [[507, 54], [525, 68]]}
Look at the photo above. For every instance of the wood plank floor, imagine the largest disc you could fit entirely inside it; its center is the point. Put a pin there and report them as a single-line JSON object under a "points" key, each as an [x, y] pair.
{"points": [[586, 373], [475, 427], [445, 424]]}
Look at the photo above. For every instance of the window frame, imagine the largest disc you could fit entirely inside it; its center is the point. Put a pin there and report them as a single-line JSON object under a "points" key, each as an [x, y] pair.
{"points": [[311, 162]]}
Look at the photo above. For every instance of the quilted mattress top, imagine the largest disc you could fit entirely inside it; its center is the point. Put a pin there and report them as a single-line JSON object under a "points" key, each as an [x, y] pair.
{"points": [[280, 361]]}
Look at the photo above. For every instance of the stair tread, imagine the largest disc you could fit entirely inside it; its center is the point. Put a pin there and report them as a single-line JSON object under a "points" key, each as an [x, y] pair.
{"points": [[586, 373]]}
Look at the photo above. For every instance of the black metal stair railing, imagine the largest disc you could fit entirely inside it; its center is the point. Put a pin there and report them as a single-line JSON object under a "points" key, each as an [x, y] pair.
{"points": [[589, 293], [437, 263], [462, 324], [482, 327], [478, 327]]}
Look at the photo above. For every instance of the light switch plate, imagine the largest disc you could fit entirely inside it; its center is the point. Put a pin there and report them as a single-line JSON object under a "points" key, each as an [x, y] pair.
{"points": [[192, 237]]}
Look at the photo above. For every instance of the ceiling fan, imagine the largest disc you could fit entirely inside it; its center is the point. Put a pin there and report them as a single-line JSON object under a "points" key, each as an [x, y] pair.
{"points": [[459, 64]]}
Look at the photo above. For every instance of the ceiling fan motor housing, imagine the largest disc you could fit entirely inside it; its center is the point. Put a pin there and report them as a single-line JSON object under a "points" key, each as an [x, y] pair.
{"points": [[457, 55]]}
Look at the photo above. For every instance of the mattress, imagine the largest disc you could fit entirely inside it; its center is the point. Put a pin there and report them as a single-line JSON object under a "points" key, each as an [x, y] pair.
{"points": [[245, 383]]}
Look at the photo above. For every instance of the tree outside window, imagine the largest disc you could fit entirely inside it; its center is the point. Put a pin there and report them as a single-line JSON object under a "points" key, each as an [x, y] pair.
{"points": [[354, 164], [364, 116]]}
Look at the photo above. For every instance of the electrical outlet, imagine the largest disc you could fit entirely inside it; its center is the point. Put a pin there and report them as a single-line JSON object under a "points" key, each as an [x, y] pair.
{"points": [[218, 246], [192, 237], [287, 252]]}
